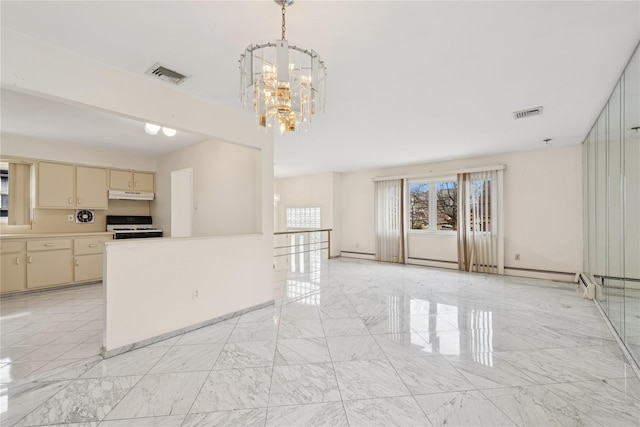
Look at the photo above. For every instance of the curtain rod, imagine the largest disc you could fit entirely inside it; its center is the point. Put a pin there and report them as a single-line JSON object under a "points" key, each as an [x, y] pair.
{"points": [[441, 173]]}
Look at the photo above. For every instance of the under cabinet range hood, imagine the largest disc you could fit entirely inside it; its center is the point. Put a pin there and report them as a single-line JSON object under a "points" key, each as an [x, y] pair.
{"points": [[130, 195]]}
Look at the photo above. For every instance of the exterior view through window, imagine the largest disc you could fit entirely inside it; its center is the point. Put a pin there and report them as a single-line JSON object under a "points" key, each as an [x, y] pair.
{"points": [[441, 194]]}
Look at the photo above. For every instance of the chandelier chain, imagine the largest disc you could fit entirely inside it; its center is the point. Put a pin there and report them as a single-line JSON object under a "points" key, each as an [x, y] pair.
{"points": [[284, 22]]}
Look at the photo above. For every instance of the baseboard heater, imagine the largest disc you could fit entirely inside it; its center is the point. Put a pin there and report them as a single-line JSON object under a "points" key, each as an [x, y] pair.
{"points": [[433, 260], [588, 288]]}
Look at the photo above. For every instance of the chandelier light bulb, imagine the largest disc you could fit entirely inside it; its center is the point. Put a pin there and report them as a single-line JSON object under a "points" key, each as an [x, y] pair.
{"points": [[151, 129]]}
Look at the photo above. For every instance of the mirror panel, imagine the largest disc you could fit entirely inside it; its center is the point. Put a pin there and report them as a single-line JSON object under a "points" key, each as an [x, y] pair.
{"points": [[631, 158]]}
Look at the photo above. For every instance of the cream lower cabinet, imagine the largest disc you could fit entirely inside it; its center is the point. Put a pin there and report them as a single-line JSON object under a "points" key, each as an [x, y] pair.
{"points": [[88, 258], [48, 263], [12, 266]]}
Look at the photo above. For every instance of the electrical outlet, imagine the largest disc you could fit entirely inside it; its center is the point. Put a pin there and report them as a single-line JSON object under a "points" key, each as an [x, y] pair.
{"points": [[70, 217], [195, 294], [517, 257]]}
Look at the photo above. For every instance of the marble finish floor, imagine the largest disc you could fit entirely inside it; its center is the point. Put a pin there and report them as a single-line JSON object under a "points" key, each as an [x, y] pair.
{"points": [[348, 343]]}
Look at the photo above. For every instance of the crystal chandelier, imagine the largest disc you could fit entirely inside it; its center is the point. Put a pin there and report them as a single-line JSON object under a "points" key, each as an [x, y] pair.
{"points": [[283, 83]]}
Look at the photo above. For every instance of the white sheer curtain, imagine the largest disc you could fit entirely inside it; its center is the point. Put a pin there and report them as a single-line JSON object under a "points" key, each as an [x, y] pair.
{"points": [[389, 221], [480, 229]]}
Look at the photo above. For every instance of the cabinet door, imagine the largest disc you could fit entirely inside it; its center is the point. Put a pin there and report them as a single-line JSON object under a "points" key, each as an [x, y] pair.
{"points": [[143, 181], [88, 267], [49, 268], [91, 188], [12, 273], [120, 180], [55, 185]]}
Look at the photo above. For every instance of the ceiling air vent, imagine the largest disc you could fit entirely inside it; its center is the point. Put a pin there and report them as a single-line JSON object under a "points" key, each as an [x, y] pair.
{"points": [[163, 73], [529, 112]]}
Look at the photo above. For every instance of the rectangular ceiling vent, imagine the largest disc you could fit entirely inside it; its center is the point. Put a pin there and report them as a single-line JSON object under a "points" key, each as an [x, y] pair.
{"points": [[164, 73], [529, 112]]}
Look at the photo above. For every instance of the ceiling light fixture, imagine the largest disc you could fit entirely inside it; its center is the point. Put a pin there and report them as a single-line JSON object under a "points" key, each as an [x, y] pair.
{"points": [[284, 84], [168, 131], [152, 129]]}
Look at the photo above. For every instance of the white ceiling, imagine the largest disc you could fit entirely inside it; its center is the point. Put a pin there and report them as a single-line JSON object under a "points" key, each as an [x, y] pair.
{"points": [[408, 82]]}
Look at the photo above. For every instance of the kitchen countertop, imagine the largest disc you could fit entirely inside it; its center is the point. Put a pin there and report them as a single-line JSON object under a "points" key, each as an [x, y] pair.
{"points": [[49, 235]]}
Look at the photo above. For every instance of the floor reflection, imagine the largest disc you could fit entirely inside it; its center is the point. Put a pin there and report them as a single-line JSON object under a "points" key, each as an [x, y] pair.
{"points": [[345, 340]]}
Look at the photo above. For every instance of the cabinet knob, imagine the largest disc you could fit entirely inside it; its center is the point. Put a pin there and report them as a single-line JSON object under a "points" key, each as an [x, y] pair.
{"points": [[30, 260], [129, 184], [70, 200], [77, 262], [48, 245], [18, 261], [79, 201], [135, 185], [93, 245]]}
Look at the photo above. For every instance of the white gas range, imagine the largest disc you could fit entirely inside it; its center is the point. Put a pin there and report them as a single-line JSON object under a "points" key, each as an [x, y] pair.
{"points": [[132, 227]]}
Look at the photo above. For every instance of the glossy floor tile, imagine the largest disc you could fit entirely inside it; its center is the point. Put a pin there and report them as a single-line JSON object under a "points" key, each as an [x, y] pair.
{"points": [[347, 343]]}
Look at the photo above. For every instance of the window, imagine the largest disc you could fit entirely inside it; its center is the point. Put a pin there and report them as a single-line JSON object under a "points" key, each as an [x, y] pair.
{"points": [[4, 190], [303, 217], [419, 206], [480, 207], [441, 194], [447, 196]]}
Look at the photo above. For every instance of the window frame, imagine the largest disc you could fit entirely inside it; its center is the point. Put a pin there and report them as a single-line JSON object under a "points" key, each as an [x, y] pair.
{"points": [[433, 205]]}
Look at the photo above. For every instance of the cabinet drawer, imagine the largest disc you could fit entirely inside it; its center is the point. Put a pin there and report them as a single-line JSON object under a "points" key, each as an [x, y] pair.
{"points": [[89, 245], [47, 245], [9, 247]]}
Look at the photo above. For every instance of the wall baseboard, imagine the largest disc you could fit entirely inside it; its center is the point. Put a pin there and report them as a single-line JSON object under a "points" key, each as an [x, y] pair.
{"points": [[560, 276], [162, 337]]}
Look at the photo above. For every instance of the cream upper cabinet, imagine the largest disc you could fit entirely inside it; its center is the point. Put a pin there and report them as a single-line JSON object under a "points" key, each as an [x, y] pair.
{"points": [[91, 188], [143, 181], [120, 180], [130, 180], [56, 185], [68, 186]]}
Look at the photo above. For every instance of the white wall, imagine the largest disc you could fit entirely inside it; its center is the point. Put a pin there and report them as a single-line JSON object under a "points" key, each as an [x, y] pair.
{"points": [[311, 191], [37, 68], [226, 179], [542, 208], [358, 207], [240, 265], [58, 151], [149, 285]]}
